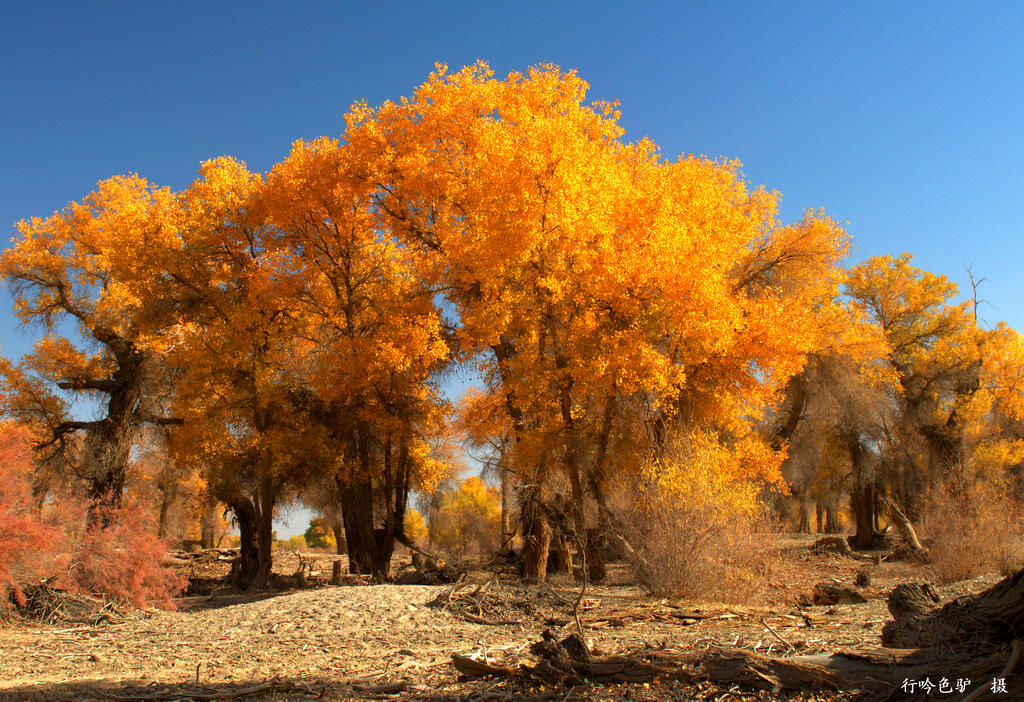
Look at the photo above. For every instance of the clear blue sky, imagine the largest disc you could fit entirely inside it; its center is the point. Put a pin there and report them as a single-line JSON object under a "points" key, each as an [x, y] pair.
{"points": [[904, 119]]}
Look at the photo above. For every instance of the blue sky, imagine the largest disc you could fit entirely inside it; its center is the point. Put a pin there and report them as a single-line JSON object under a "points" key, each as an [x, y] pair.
{"points": [[905, 120]]}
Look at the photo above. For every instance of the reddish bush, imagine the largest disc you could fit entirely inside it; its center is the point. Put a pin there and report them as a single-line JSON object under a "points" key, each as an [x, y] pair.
{"points": [[27, 542], [123, 562]]}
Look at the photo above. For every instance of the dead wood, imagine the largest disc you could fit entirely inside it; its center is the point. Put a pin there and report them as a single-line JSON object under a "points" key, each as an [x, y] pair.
{"points": [[906, 529], [427, 571], [984, 620], [490, 622], [270, 686], [51, 606], [444, 600], [382, 689], [473, 668], [832, 544], [826, 593]]}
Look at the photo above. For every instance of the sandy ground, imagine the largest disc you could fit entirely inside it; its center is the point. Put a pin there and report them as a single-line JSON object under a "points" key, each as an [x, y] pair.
{"points": [[387, 641]]}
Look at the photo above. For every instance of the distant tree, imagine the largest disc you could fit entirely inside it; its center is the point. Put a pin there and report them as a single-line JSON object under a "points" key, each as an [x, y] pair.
{"points": [[319, 534], [468, 519], [415, 526], [295, 543]]}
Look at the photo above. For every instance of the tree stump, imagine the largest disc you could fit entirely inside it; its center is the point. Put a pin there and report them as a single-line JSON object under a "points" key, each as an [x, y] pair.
{"points": [[835, 593], [991, 617], [832, 544]]}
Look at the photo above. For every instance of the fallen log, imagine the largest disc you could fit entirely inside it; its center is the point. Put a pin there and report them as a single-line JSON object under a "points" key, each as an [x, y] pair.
{"points": [[974, 635], [472, 668], [832, 544], [825, 593], [905, 529], [991, 618]]}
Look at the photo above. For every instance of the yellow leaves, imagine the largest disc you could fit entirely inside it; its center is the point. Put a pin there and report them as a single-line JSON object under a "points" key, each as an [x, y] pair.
{"points": [[699, 467], [466, 517], [602, 272]]}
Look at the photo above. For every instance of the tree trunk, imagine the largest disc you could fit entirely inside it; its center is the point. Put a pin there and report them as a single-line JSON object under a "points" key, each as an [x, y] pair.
{"points": [[862, 493], [559, 556], [904, 527], [244, 572], [339, 547], [536, 537], [369, 549], [265, 536], [803, 524], [991, 617], [506, 501], [209, 527], [832, 518], [596, 549], [383, 549], [357, 514], [165, 509], [862, 504]]}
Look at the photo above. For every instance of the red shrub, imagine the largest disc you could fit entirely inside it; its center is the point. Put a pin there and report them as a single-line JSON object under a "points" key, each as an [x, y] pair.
{"points": [[123, 562], [28, 544]]}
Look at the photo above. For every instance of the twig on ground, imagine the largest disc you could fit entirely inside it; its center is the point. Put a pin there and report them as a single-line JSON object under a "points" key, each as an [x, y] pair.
{"points": [[451, 593], [561, 598], [582, 542], [776, 635], [273, 685]]}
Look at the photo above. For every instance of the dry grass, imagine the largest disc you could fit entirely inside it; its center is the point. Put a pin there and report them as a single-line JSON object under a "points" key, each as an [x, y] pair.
{"points": [[697, 551], [973, 526]]}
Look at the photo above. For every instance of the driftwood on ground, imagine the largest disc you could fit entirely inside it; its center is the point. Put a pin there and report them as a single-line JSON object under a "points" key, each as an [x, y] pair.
{"points": [[906, 530], [975, 635], [826, 593], [990, 618]]}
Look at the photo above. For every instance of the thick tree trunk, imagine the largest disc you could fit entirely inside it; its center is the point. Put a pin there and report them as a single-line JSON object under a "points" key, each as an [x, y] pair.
{"points": [[596, 550], [803, 523], [106, 469], [357, 510], [862, 493], [862, 504], [536, 537], [265, 536], [992, 617], [832, 518], [245, 570], [369, 549], [209, 531], [560, 556]]}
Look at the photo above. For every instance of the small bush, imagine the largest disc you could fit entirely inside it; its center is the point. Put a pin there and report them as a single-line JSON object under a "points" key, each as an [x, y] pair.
{"points": [[28, 544], [294, 543], [49, 541], [694, 550], [972, 526], [123, 562], [697, 527]]}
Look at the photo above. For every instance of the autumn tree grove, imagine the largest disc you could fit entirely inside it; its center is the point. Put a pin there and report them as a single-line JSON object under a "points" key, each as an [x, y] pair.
{"points": [[632, 317]]}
